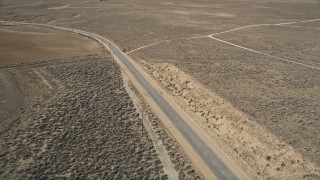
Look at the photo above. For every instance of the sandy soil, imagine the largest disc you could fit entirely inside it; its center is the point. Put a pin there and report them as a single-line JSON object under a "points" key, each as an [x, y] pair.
{"points": [[255, 149], [34, 46], [282, 98], [314, 24]]}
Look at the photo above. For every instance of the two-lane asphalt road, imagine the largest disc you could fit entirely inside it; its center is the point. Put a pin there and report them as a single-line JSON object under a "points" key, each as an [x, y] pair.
{"points": [[220, 170], [209, 157]]}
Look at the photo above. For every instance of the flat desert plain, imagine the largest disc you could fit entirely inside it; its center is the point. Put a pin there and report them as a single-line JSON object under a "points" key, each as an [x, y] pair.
{"points": [[18, 47]]}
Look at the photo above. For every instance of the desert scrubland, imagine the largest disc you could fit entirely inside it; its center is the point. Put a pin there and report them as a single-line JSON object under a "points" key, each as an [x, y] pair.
{"points": [[75, 123], [72, 117], [253, 85]]}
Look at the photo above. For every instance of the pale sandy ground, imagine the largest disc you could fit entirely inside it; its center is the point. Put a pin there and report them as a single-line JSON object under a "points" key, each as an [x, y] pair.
{"points": [[17, 47], [258, 152]]}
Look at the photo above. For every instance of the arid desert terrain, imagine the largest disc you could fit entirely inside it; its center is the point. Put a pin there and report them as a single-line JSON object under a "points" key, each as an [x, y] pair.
{"points": [[72, 117], [248, 72]]}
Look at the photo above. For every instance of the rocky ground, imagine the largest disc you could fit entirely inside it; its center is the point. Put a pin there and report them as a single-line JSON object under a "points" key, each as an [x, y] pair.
{"points": [[76, 121]]}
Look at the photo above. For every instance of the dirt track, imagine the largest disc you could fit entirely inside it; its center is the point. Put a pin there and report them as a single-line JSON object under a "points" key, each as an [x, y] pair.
{"points": [[278, 95], [281, 97], [251, 146]]}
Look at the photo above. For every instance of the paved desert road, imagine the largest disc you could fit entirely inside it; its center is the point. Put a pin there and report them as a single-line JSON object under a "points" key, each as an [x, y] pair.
{"points": [[215, 164], [211, 159]]}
